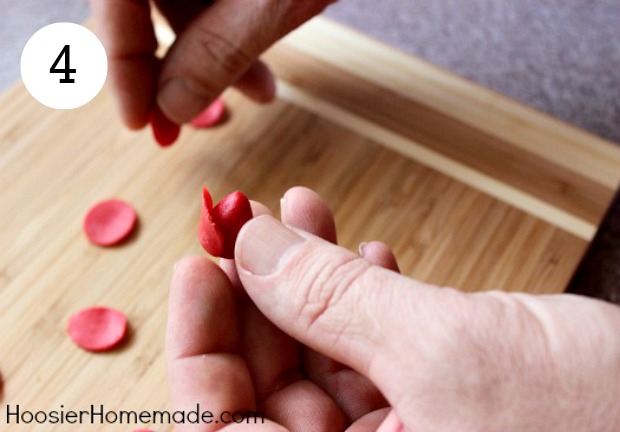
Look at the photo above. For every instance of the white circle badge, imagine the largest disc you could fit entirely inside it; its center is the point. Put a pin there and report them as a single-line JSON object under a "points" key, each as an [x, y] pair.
{"points": [[64, 65]]}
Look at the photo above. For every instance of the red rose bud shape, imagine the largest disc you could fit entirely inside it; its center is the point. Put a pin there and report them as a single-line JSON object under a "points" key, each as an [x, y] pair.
{"points": [[220, 225], [165, 130]]}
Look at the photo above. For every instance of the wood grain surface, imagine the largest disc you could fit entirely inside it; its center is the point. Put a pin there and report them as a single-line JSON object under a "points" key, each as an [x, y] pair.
{"points": [[551, 162], [451, 218]]}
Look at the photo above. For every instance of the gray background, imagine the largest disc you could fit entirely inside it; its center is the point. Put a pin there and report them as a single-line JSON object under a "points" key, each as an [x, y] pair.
{"points": [[559, 56]]}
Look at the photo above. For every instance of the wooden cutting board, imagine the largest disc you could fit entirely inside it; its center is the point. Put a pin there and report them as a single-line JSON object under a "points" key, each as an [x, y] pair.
{"points": [[470, 189]]}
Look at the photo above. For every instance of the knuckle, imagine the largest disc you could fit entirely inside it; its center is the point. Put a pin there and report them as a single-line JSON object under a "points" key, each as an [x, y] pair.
{"points": [[301, 10], [329, 293], [225, 59], [272, 6]]}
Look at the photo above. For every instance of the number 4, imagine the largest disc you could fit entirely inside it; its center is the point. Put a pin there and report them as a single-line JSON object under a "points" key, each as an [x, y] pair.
{"points": [[67, 71]]}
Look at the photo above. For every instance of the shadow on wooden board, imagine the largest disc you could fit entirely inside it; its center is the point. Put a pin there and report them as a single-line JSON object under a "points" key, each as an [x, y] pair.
{"points": [[598, 274]]}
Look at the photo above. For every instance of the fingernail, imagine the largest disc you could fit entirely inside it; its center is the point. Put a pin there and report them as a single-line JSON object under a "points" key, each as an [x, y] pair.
{"points": [[283, 206], [361, 248], [179, 101], [182, 264], [265, 245]]}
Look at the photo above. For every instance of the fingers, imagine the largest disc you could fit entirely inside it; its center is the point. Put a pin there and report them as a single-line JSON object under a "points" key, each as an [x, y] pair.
{"points": [[329, 299], [272, 356], [257, 83], [273, 359], [304, 406], [201, 343], [126, 31], [259, 208], [355, 394], [267, 426], [219, 46], [391, 423], [372, 421], [179, 13], [228, 265], [379, 254], [304, 209]]}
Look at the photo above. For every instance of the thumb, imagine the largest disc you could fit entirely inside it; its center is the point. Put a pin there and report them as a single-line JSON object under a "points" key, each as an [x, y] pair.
{"points": [[333, 300], [219, 46]]}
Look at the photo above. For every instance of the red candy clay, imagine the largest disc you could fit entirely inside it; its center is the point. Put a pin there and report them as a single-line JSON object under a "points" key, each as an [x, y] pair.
{"points": [[220, 225], [211, 116], [97, 328], [165, 131], [109, 222]]}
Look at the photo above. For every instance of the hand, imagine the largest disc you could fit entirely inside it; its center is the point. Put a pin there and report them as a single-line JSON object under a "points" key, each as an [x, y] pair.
{"points": [[217, 45], [444, 360], [224, 354]]}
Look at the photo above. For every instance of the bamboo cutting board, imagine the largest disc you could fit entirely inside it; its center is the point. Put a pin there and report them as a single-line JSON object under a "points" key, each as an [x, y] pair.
{"points": [[469, 188]]}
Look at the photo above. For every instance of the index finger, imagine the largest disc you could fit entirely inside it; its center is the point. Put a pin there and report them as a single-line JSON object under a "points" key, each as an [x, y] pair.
{"points": [[126, 31], [202, 342]]}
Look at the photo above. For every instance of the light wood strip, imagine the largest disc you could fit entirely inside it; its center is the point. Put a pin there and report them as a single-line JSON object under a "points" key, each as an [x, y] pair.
{"points": [[449, 136], [388, 68], [449, 167]]}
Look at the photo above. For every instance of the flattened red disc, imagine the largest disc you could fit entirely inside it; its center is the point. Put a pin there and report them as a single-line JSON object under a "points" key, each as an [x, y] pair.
{"points": [[211, 116], [97, 328], [109, 222]]}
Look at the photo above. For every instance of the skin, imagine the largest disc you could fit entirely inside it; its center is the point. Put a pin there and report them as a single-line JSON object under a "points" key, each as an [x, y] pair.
{"points": [[319, 338], [218, 44]]}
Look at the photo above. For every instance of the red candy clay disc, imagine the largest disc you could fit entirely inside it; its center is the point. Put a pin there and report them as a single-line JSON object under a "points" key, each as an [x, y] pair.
{"points": [[211, 116], [165, 130], [97, 328], [109, 222]]}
